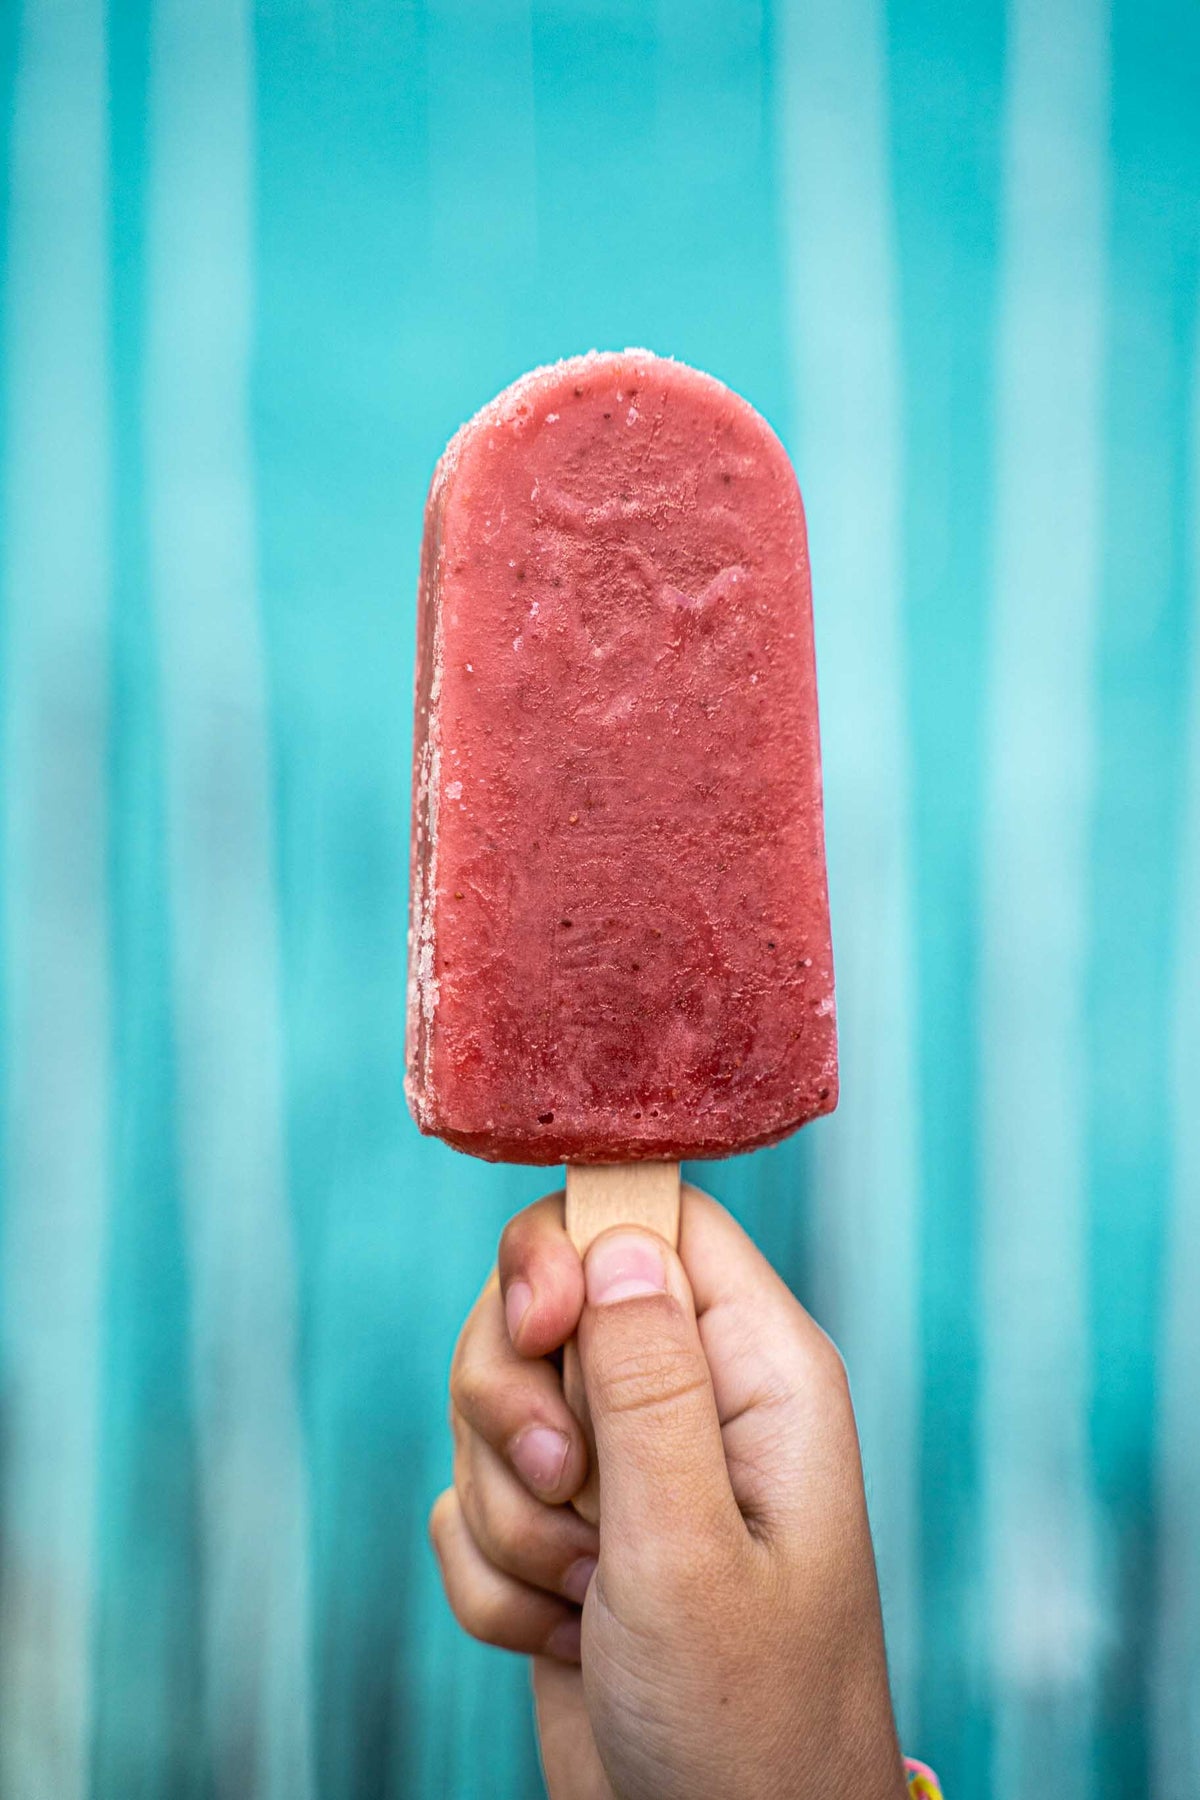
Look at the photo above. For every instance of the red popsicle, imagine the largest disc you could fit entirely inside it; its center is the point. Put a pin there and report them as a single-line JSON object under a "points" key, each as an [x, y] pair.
{"points": [[620, 931]]}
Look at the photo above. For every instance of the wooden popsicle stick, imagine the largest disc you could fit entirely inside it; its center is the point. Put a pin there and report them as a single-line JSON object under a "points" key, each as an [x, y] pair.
{"points": [[599, 1196]]}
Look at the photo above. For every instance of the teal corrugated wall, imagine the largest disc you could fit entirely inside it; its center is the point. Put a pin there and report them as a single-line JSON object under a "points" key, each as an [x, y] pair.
{"points": [[259, 260]]}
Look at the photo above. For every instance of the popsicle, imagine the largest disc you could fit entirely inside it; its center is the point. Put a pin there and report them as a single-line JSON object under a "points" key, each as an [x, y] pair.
{"points": [[619, 949], [620, 941]]}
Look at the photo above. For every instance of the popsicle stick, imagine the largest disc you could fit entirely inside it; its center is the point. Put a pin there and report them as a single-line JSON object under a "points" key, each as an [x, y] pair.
{"points": [[600, 1195]]}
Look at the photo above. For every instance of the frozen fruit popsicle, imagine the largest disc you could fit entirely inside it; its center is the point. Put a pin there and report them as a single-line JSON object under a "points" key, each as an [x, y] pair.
{"points": [[620, 944]]}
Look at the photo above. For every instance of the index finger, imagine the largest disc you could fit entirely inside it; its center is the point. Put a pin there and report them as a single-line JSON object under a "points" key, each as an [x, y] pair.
{"points": [[541, 1278], [516, 1404]]}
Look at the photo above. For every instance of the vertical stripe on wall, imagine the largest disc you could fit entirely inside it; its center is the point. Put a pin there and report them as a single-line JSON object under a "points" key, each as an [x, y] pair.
{"points": [[56, 575], [148, 1715], [1043, 1620], [839, 219], [946, 69], [341, 277], [1143, 664], [203, 575], [1175, 1667]]}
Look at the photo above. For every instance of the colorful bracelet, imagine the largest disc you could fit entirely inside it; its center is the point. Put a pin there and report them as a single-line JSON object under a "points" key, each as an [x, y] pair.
{"points": [[923, 1784]]}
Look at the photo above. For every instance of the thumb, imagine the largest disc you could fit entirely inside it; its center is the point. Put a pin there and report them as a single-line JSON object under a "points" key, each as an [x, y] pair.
{"points": [[663, 1478]]}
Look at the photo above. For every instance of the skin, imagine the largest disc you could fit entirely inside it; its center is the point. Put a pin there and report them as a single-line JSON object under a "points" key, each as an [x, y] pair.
{"points": [[729, 1641]]}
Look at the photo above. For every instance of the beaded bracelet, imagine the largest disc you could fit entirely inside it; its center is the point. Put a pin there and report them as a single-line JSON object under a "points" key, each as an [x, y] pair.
{"points": [[923, 1784]]}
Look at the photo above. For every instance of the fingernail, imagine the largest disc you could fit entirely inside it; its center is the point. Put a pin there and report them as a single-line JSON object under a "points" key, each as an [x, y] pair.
{"points": [[517, 1302], [577, 1579], [624, 1267], [565, 1640], [539, 1456]]}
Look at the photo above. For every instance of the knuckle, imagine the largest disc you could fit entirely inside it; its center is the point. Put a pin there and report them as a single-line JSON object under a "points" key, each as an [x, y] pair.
{"points": [[480, 1611], [469, 1384], [487, 1514], [505, 1528], [491, 1618], [483, 1611], [651, 1379], [486, 1507], [468, 1609], [831, 1368], [530, 1236], [464, 1481], [485, 1510], [510, 1239], [439, 1517], [517, 1242]]}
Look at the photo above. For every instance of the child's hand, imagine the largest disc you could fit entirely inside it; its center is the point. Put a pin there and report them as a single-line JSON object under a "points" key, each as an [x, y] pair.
{"points": [[732, 1647]]}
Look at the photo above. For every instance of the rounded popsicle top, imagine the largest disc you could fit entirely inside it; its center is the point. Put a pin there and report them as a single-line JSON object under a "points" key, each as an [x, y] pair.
{"points": [[620, 936], [532, 398]]}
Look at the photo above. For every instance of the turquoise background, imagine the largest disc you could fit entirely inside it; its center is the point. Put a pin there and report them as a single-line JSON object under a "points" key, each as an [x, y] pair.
{"points": [[258, 263]]}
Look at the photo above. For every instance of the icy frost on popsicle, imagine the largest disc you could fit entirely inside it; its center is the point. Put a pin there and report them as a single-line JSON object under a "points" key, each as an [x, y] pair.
{"points": [[620, 929]]}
